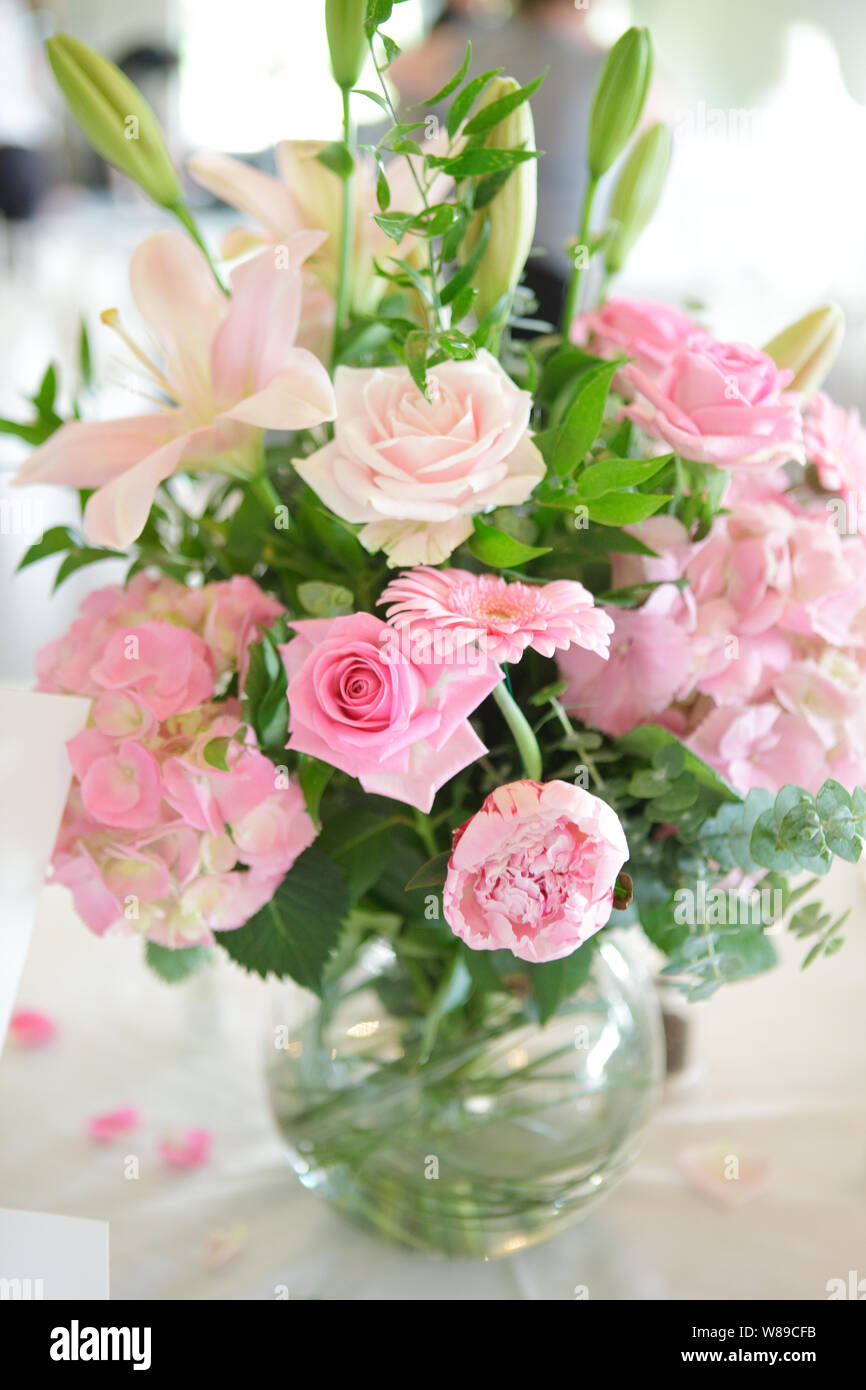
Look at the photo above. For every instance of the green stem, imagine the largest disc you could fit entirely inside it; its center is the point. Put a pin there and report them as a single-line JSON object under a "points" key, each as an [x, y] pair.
{"points": [[344, 281], [188, 222], [266, 492], [527, 744], [572, 298], [424, 831]]}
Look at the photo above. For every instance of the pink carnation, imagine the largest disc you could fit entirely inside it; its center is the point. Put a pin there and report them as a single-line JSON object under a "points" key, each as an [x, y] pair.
{"points": [[504, 618], [533, 871], [835, 441], [721, 403], [398, 724]]}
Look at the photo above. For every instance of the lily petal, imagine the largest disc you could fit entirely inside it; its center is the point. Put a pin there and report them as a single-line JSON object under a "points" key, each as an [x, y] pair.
{"points": [[117, 512], [90, 453], [297, 398], [261, 196]]}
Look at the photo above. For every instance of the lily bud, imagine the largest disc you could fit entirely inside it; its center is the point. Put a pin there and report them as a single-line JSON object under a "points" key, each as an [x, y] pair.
{"points": [[511, 211], [809, 347], [637, 193], [619, 99], [347, 42], [114, 116]]}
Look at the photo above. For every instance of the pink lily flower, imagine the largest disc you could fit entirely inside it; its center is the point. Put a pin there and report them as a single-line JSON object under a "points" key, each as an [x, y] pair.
{"points": [[231, 371]]}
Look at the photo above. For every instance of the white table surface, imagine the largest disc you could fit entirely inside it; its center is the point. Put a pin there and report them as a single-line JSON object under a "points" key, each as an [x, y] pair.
{"points": [[783, 1065]]}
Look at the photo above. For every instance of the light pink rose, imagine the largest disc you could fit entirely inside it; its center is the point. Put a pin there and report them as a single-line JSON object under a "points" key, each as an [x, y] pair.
{"points": [[533, 872], [414, 472], [400, 726], [835, 441], [721, 403], [648, 333]]}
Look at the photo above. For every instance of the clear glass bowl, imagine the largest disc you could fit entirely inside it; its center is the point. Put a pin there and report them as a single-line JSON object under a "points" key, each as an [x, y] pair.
{"points": [[499, 1138]]}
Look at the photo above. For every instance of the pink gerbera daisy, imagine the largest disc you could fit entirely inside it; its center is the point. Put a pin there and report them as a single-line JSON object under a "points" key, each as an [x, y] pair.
{"points": [[505, 618]]}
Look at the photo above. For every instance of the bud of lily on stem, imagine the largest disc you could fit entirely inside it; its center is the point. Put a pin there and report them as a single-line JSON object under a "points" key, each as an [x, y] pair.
{"points": [[809, 347], [347, 42], [114, 116], [511, 212], [619, 99], [637, 193]]}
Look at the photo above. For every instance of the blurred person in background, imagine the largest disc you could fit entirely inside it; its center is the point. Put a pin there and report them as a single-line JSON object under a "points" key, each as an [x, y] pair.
{"points": [[523, 39]]}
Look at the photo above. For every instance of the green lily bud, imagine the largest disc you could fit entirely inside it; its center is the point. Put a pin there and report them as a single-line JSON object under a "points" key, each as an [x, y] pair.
{"points": [[511, 211], [114, 116], [344, 21], [619, 99], [637, 193], [809, 347]]}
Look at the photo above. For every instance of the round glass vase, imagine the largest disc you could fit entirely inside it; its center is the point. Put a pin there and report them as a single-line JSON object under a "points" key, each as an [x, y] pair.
{"points": [[498, 1138]]}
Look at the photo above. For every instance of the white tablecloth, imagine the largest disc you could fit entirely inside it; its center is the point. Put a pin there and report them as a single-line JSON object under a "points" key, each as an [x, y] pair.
{"points": [[782, 1063]]}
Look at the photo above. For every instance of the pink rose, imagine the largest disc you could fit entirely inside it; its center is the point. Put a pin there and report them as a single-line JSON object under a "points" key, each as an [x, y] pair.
{"points": [[649, 334], [533, 871], [721, 403], [835, 443], [416, 471], [399, 725]]}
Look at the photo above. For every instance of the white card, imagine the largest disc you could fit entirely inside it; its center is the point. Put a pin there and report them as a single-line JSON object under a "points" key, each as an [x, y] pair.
{"points": [[34, 781], [51, 1257]]}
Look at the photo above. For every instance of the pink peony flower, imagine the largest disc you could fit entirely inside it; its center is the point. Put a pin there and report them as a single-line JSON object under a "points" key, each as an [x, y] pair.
{"points": [[413, 471], [504, 618], [231, 370], [533, 871], [400, 726], [112, 1125], [28, 1029], [835, 442], [721, 403], [649, 334]]}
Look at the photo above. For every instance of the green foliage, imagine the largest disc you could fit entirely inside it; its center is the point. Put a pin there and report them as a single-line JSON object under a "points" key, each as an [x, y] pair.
{"points": [[264, 702], [176, 966]]}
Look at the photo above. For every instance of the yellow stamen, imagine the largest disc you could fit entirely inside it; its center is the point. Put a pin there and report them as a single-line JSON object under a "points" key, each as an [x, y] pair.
{"points": [[111, 318]]}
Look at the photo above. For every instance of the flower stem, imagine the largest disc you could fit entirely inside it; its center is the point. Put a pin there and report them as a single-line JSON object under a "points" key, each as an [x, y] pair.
{"points": [[344, 280], [188, 222], [572, 298], [527, 744]]}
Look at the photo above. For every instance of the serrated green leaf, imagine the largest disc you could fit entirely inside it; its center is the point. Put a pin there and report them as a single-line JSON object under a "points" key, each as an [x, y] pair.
{"points": [[175, 966]]}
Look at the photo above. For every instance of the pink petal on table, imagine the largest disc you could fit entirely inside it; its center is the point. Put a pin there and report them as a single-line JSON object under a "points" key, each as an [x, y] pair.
{"points": [[31, 1029], [187, 1150], [724, 1173], [224, 1246], [110, 1126]]}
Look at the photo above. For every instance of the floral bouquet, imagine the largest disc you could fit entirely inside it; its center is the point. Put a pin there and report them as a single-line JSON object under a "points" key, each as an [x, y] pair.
{"points": [[473, 638]]}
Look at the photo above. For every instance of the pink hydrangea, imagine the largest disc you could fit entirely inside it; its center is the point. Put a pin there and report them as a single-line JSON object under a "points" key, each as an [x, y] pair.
{"points": [[835, 442], [533, 871], [503, 618], [176, 826], [397, 723]]}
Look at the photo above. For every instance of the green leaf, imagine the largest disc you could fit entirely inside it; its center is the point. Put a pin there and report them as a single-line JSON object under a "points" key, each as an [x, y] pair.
{"points": [[556, 980], [415, 353], [582, 422], [625, 508], [359, 840], [394, 224], [338, 158], [322, 600], [215, 751], [472, 162], [465, 100], [313, 776], [432, 874], [460, 280], [263, 700], [501, 551], [295, 933], [176, 966], [77, 559], [52, 542], [496, 111], [85, 359], [610, 475], [649, 740], [451, 85]]}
